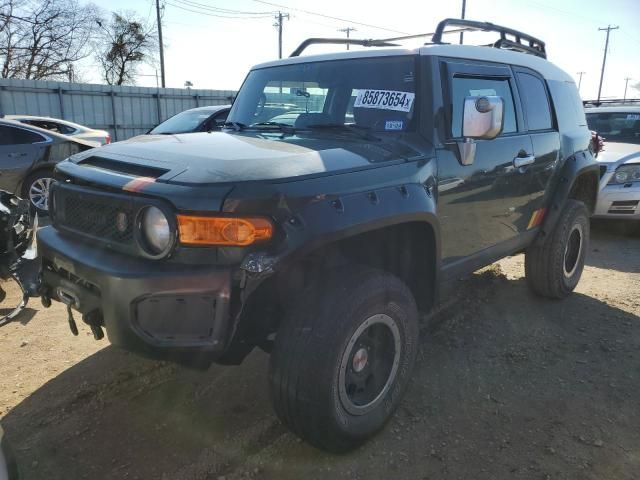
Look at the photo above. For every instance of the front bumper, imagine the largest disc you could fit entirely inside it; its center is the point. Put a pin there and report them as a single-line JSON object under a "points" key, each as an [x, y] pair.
{"points": [[619, 202], [158, 309]]}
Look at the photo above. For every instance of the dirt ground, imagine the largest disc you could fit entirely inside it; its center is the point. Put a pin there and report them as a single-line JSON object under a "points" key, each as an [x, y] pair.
{"points": [[507, 386]]}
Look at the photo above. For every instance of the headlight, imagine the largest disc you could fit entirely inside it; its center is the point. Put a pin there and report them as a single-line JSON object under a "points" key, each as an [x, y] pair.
{"points": [[155, 229], [626, 174]]}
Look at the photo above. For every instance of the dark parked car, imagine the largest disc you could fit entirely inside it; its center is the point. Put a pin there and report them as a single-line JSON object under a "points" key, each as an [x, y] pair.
{"points": [[320, 239], [201, 119], [28, 155]]}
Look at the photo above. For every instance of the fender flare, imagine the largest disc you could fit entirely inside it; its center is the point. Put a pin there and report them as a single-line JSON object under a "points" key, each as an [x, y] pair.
{"points": [[578, 164], [320, 223]]}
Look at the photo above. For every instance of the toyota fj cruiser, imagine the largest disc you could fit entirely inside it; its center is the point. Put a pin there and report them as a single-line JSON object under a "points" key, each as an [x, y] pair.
{"points": [[319, 232]]}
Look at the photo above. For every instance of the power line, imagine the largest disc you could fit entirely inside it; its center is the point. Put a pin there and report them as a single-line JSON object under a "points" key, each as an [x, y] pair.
{"points": [[208, 14], [279, 20], [225, 11], [604, 58], [626, 84], [580, 81], [161, 44], [308, 12], [348, 31]]}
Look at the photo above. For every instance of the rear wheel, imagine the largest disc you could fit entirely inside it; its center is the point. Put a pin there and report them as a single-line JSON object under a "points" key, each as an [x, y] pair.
{"points": [[553, 269], [343, 357], [36, 188]]}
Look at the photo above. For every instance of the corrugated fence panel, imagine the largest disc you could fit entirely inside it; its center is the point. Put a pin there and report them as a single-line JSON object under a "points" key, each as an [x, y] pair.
{"points": [[124, 111]]}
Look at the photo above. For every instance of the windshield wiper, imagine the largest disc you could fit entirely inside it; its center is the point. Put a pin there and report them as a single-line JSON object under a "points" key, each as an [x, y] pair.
{"points": [[237, 126], [359, 130], [283, 127]]}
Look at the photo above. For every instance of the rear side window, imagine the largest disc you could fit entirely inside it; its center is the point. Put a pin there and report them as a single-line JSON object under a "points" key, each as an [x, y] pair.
{"points": [[18, 136], [53, 126], [535, 102], [475, 86]]}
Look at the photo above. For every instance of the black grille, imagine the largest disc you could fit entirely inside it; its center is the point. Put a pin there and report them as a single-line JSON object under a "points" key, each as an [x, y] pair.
{"points": [[101, 216], [98, 219]]}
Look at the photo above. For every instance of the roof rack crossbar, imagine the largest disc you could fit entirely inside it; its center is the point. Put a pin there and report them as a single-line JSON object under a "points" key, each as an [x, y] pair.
{"points": [[535, 46], [340, 41]]}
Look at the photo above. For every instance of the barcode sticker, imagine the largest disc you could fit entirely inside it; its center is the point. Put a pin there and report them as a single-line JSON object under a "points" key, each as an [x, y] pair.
{"points": [[385, 100]]}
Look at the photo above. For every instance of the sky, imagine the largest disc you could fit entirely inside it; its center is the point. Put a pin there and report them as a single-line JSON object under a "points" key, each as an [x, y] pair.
{"points": [[215, 49]]}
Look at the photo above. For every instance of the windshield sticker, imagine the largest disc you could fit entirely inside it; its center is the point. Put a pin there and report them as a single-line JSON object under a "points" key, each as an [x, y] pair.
{"points": [[394, 125], [633, 116], [486, 92], [385, 100]]}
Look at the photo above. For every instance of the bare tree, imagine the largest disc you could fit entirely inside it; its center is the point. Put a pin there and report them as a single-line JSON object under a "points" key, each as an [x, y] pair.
{"points": [[42, 39], [124, 44]]}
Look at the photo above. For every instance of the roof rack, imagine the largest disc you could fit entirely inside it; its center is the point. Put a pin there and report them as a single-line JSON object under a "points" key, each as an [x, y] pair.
{"points": [[532, 46], [340, 41], [615, 102], [520, 41]]}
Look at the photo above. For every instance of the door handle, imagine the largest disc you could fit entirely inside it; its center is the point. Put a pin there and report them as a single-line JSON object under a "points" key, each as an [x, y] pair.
{"points": [[523, 161]]}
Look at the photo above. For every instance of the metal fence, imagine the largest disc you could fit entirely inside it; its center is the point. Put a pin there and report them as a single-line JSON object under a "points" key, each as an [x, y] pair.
{"points": [[124, 111]]}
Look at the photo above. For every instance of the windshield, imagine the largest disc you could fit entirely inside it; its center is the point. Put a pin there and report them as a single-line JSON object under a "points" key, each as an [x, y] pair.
{"points": [[616, 126], [373, 93], [184, 122]]}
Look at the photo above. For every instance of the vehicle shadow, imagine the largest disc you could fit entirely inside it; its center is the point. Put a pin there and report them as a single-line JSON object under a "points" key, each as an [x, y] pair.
{"points": [[506, 385], [614, 245]]}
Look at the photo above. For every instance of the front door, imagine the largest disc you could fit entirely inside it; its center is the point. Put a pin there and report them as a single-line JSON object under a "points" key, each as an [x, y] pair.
{"points": [[479, 205]]}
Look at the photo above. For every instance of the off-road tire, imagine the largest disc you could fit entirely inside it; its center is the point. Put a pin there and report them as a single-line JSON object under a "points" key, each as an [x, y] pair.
{"points": [[549, 267], [313, 341]]}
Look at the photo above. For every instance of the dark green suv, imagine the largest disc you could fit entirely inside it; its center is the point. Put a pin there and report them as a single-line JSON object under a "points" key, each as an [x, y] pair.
{"points": [[320, 238]]}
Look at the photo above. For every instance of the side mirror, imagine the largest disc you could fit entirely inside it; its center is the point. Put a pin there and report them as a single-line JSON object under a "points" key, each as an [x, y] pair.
{"points": [[482, 117]]}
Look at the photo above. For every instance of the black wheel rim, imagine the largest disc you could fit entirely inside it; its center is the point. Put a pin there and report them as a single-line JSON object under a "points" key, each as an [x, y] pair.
{"points": [[573, 250], [369, 364]]}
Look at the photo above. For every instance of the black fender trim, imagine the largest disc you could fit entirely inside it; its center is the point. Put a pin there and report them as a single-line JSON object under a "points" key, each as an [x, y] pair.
{"points": [[575, 166], [319, 223]]}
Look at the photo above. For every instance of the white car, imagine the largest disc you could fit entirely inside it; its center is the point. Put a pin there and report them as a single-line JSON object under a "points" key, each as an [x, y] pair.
{"points": [[99, 137], [619, 195]]}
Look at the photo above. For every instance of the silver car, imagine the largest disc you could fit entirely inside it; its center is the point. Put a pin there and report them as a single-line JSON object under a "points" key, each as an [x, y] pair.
{"points": [[619, 195], [65, 127]]}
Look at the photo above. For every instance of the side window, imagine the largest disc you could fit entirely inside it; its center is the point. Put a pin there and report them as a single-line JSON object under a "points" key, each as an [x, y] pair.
{"points": [[64, 129], [473, 86], [535, 102], [18, 136]]}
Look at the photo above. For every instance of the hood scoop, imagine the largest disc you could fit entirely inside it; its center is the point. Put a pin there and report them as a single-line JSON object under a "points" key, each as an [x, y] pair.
{"points": [[124, 168]]}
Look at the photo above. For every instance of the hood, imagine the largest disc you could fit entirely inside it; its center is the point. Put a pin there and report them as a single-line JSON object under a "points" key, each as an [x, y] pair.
{"points": [[616, 154], [220, 157]]}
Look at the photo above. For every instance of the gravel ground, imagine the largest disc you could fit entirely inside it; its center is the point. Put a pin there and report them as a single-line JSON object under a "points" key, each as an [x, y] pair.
{"points": [[507, 385]]}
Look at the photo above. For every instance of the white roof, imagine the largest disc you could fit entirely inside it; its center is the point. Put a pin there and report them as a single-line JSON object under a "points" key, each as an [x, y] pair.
{"points": [[545, 68]]}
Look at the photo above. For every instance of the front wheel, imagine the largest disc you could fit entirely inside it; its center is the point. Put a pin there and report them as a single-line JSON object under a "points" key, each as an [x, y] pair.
{"points": [[36, 188], [553, 268], [343, 357]]}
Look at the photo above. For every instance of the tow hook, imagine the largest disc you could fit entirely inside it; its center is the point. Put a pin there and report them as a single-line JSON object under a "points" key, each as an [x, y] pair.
{"points": [[94, 320], [69, 300]]}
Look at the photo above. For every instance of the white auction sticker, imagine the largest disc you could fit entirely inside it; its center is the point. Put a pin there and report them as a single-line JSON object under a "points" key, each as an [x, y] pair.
{"points": [[385, 100]]}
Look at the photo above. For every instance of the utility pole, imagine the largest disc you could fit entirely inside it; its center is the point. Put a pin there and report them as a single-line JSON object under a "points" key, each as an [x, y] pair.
{"points": [[580, 80], [626, 84], [279, 18], [347, 30], [604, 58], [160, 42], [464, 9]]}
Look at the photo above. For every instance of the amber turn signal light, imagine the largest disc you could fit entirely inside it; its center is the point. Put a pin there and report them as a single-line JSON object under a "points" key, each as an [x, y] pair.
{"points": [[237, 232]]}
